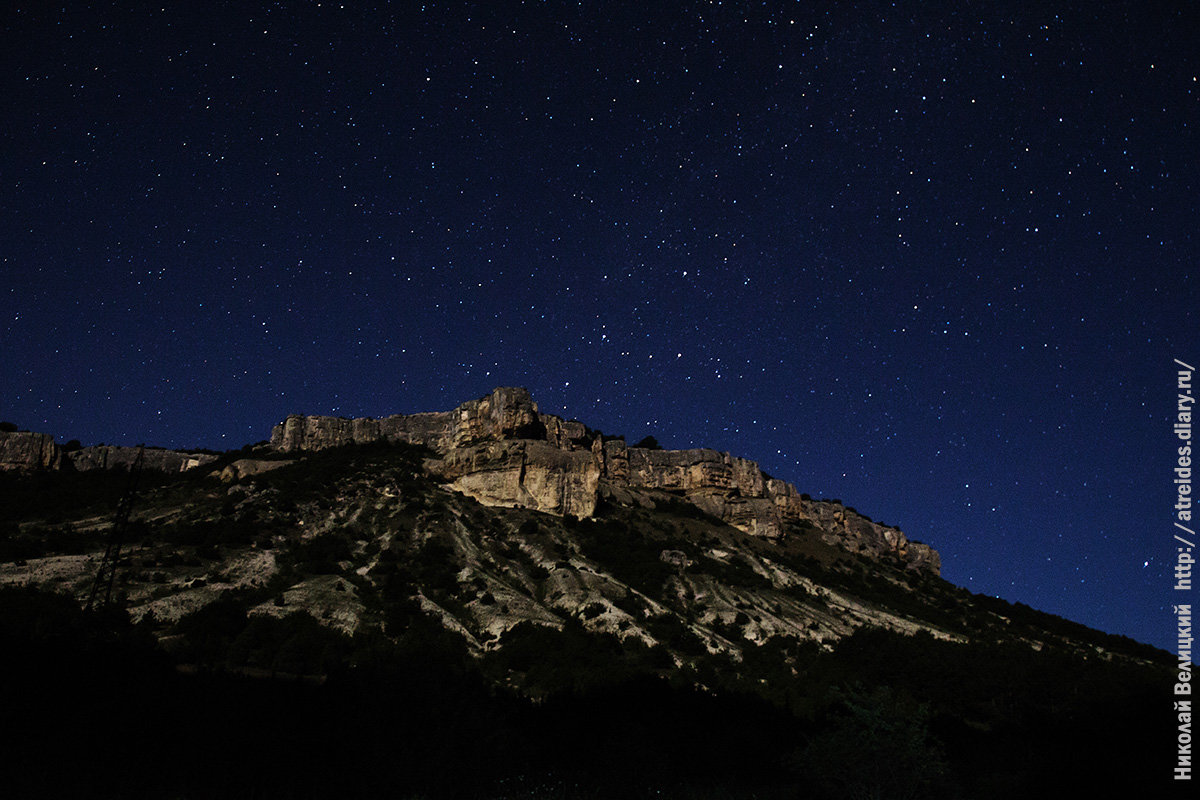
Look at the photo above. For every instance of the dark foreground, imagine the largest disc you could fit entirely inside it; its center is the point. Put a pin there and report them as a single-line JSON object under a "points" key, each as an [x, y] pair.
{"points": [[98, 710]]}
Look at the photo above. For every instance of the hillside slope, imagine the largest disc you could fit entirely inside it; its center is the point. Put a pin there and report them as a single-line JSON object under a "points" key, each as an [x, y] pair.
{"points": [[424, 640]]}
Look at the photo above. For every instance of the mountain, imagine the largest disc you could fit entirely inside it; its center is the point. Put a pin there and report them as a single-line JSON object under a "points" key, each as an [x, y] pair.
{"points": [[537, 582]]}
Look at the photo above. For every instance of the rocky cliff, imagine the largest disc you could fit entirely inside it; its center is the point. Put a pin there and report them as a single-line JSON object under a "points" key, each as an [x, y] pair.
{"points": [[27, 451], [33, 451], [502, 451], [109, 456]]}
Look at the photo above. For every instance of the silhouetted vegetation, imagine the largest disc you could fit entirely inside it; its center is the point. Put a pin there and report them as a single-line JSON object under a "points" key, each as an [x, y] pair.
{"points": [[313, 475], [547, 661], [630, 554], [734, 571], [883, 712], [876, 743], [228, 531], [37, 541], [53, 496], [319, 555]]}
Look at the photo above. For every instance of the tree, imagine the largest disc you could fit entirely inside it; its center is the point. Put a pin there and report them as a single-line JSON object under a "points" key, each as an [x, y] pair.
{"points": [[649, 443], [877, 746]]}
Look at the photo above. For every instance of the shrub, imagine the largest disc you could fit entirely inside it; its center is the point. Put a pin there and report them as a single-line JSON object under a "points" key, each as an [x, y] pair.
{"points": [[593, 610], [296, 644], [321, 554]]}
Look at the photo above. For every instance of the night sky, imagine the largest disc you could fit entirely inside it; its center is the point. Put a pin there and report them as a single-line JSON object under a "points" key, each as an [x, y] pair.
{"points": [[932, 259]]}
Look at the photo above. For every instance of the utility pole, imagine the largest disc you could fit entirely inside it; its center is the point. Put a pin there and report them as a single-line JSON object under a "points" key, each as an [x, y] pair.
{"points": [[102, 586]]}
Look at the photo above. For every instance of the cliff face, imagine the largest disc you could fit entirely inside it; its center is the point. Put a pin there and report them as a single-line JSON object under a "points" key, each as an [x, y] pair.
{"points": [[32, 451], [156, 458], [507, 413], [29, 451], [298, 433], [527, 473], [502, 451]]}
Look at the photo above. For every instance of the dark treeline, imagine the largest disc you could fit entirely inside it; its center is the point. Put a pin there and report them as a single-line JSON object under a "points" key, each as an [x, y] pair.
{"points": [[100, 710]]}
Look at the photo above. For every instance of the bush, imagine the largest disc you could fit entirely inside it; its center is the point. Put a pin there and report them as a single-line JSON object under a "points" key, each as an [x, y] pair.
{"points": [[670, 630], [547, 660], [321, 554], [877, 745], [593, 610], [209, 631], [628, 554], [296, 644]]}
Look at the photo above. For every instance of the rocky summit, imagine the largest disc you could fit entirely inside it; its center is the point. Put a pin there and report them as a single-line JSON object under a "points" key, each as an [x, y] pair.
{"points": [[502, 451]]}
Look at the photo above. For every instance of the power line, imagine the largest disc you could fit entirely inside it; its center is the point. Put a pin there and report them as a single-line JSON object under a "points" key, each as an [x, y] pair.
{"points": [[102, 586]]}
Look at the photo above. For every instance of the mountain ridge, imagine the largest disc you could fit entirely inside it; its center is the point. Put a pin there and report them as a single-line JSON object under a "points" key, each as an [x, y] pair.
{"points": [[501, 450], [543, 520], [450, 577]]}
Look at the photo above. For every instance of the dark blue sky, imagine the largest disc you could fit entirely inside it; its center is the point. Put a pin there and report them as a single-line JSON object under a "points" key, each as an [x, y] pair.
{"points": [[932, 259]]}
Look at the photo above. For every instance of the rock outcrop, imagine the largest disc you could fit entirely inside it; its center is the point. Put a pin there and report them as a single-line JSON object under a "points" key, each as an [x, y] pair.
{"points": [[501, 450], [108, 456], [299, 433], [507, 413], [248, 467], [33, 451], [527, 473], [28, 451]]}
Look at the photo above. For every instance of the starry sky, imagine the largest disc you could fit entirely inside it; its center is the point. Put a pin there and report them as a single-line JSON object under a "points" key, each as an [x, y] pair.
{"points": [[933, 259]]}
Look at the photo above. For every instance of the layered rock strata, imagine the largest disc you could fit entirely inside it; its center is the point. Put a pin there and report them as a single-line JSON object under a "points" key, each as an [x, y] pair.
{"points": [[501, 450], [34, 451]]}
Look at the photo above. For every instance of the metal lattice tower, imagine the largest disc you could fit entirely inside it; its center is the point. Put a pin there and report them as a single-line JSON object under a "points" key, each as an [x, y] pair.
{"points": [[102, 586]]}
